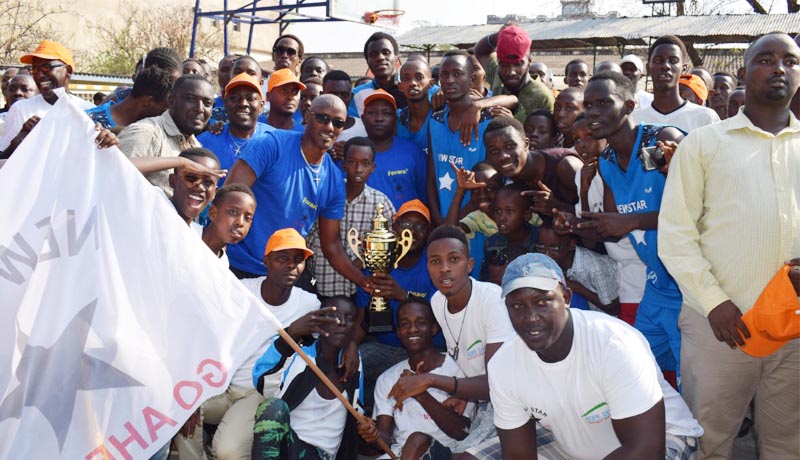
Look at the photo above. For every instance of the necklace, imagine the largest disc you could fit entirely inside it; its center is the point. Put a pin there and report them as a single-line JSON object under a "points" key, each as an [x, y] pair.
{"points": [[233, 143], [454, 354], [313, 170]]}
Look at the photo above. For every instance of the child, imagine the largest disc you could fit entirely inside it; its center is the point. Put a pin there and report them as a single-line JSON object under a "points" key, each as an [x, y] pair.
{"points": [[306, 420], [589, 183], [510, 211], [230, 216], [540, 129], [590, 275], [576, 74], [359, 210], [411, 430], [569, 103], [498, 261]]}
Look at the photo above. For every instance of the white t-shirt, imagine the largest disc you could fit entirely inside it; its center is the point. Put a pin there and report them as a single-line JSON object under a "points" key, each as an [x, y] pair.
{"points": [[299, 303], [413, 417], [610, 372], [643, 99], [319, 422], [23, 109], [484, 320], [687, 117], [632, 271], [356, 130]]}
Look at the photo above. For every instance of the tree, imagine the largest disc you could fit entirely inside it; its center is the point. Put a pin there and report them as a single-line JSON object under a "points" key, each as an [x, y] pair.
{"points": [[23, 24], [145, 28]]}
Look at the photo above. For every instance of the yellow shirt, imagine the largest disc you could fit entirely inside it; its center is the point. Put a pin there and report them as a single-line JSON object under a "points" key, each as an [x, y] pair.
{"points": [[731, 211]]}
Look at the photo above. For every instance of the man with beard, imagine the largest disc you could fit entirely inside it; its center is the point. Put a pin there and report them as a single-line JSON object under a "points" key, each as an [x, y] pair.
{"points": [[283, 95], [167, 135], [51, 66], [731, 222], [667, 60], [316, 191], [506, 57], [243, 102]]}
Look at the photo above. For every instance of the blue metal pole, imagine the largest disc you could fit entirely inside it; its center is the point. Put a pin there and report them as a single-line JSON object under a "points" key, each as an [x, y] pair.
{"points": [[194, 27]]}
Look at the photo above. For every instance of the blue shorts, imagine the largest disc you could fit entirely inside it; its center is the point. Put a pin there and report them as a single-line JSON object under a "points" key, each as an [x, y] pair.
{"points": [[657, 320]]}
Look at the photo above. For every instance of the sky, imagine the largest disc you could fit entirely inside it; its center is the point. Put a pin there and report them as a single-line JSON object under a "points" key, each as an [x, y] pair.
{"points": [[346, 36]]}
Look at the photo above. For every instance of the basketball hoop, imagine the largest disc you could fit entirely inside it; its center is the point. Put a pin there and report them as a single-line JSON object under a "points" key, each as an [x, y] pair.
{"points": [[384, 18]]}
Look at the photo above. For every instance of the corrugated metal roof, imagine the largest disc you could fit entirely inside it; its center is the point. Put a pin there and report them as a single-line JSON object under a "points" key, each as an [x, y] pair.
{"points": [[616, 31]]}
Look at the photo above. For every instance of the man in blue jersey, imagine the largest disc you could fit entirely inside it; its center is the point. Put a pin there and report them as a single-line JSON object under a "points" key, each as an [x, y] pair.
{"points": [[412, 121], [283, 95], [633, 199], [380, 51], [399, 164], [444, 141], [243, 102], [296, 184]]}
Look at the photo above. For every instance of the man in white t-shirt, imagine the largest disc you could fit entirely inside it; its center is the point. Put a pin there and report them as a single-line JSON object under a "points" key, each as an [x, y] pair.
{"points": [[51, 66], [588, 377], [633, 68], [667, 60], [474, 325], [412, 426]]}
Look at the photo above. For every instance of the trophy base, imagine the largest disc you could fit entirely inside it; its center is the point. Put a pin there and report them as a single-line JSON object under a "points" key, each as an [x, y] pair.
{"points": [[380, 320]]}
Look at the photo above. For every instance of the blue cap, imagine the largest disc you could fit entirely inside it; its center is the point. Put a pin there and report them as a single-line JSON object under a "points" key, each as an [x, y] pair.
{"points": [[533, 270]]}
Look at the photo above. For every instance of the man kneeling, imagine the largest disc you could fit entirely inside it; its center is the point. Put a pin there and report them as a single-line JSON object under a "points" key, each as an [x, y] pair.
{"points": [[587, 376], [306, 421], [412, 426]]}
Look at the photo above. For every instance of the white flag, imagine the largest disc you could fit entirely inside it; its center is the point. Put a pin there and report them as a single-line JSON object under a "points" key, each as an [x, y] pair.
{"points": [[117, 320]]}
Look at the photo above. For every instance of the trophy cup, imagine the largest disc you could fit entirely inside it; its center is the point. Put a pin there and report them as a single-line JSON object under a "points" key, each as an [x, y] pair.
{"points": [[379, 252]]}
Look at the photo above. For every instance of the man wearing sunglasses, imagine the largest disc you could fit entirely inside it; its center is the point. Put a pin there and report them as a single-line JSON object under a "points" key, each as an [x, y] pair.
{"points": [[51, 66], [287, 53], [296, 184]]}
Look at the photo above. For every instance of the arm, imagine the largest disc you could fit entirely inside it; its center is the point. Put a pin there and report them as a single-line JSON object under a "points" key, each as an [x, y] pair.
{"points": [[242, 173], [567, 170], [452, 424], [433, 191], [26, 128], [465, 181], [371, 431], [485, 47], [333, 250], [147, 165], [612, 308], [519, 443], [507, 101], [641, 436]]}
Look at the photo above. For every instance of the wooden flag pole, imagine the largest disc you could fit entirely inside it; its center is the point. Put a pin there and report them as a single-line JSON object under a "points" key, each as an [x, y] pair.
{"points": [[324, 378]]}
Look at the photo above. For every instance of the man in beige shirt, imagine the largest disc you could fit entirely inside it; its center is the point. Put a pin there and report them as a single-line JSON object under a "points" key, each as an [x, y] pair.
{"points": [[167, 135], [729, 220]]}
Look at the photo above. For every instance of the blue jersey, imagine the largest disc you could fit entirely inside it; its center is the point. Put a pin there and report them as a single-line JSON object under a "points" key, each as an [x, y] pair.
{"points": [[297, 126], [228, 147], [446, 147], [287, 194], [400, 173], [417, 282], [404, 132], [218, 112], [639, 191], [102, 114]]}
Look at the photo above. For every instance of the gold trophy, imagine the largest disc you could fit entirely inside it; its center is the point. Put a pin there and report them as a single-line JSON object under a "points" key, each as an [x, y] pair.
{"points": [[380, 252]]}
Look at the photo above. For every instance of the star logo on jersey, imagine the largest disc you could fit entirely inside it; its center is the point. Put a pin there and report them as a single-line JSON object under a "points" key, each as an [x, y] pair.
{"points": [[446, 182], [51, 377], [638, 237]]}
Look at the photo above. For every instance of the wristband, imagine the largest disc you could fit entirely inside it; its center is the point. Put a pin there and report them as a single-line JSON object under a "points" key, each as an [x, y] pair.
{"points": [[455, 385]]}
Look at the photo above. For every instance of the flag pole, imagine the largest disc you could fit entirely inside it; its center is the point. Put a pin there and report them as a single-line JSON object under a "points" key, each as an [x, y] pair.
{"points": [[324, 378]]}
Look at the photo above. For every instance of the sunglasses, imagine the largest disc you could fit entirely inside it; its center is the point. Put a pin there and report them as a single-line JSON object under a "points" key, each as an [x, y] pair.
{"points": [[337, 123], [284, 50], [421, 227], [554, 249], [44, 68]]}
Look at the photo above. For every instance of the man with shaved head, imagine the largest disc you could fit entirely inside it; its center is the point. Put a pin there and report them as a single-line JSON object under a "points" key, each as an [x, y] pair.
{"points": [[743, 169], [296, 184]]}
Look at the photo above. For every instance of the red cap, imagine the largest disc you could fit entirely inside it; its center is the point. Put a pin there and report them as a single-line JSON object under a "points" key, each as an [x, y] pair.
{"points": [[513, 44]]}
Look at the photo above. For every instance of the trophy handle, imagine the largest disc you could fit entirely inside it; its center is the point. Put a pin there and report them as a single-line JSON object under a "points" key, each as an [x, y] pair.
{"points": [[404, 244], [352, 241]]}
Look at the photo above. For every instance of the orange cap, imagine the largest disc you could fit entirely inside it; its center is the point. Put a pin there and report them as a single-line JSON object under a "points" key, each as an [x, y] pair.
{"points": [[244, 79], [380, 94], [283, 77], [774, 318], [415, 206], [287, 238], [696, 84], [49, 49]]}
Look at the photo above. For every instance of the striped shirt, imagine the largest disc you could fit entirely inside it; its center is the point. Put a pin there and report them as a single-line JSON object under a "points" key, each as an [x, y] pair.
{"points": [[731, 211]]}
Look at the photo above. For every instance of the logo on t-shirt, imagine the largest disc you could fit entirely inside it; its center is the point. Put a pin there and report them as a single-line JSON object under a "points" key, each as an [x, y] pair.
{"points": [[535, 413], [476, 349], [308, 203], [597, 414]]}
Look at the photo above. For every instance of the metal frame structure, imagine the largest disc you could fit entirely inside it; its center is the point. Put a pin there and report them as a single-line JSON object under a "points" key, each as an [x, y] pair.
{"points": [[250, 14]]}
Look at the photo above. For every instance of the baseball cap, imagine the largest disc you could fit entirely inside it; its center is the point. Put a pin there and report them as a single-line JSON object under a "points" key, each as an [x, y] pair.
{"points": [[244, 79], [533, 270], [632, 59], [287, 238], [414, 206], [696, 84], [380, 94], [283, 77], [774, 318], [513, 44], [49, 49]]}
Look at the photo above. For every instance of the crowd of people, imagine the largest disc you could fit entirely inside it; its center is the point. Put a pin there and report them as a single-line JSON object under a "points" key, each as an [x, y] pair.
{"points": [[586, 264]]}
